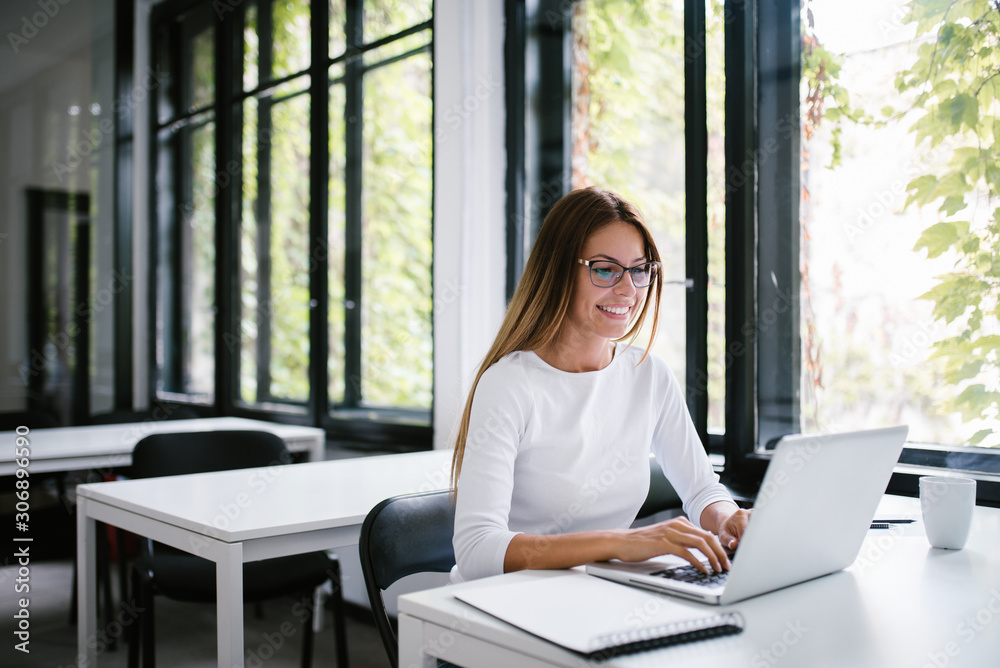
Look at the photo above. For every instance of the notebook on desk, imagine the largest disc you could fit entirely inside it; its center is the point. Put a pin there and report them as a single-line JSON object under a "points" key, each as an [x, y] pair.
{"points": [[814, 509], [598, 619]]}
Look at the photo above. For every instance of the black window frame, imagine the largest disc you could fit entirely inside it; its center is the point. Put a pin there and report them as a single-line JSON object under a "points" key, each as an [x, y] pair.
{"points": [[352, 422], [763, 70]]}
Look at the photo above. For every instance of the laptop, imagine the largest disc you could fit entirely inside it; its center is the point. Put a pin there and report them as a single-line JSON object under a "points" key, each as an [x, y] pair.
{"points": [[811, 516]]}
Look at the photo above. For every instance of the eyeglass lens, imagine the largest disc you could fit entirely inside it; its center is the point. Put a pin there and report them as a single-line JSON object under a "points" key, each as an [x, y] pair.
{"points": [[607, 274]]}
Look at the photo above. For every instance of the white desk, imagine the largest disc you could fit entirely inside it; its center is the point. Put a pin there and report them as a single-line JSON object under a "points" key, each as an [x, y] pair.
{"points": [[231, 517], [902, 604], [106, 447]]}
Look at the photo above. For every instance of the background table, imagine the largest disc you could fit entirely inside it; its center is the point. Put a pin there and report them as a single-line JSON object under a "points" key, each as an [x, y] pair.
{"points": [[106, 447], [234, 516], [902, 604]]}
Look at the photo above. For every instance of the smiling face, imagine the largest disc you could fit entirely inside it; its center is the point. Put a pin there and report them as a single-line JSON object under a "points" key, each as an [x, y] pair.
{"points": [[605, 313]]}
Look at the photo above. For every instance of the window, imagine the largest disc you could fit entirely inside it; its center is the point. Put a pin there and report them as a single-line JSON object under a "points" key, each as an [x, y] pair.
{"points": [[185, 249], [895, 232], [294, 189], [899, 319], [854, 280], [631, 64], [645, 119]]}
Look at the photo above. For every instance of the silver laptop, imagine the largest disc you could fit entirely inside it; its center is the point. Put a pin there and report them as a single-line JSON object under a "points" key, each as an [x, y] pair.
{"points": [[813, 510]]}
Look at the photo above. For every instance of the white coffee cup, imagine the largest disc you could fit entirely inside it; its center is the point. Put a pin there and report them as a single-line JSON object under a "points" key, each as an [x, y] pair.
{"points": [[947, 505]]}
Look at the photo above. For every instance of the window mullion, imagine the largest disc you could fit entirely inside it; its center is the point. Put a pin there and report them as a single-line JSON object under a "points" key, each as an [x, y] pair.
{"points": [[741, 242], [263, 213], [779, 176], [353, 139], [319, 166], [226, 278], [696, 215]]}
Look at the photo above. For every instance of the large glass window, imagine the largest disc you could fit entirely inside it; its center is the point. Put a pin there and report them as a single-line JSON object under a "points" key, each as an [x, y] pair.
{"points": [[849, 236], [322, 311], [186, 184], [899, 229], [630, 63], [274, 221]]}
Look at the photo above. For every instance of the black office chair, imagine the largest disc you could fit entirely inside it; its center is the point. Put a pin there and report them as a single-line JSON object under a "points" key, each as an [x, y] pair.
{"points": [[182, 576], [662, 495], [401, 536], [157, 413]]}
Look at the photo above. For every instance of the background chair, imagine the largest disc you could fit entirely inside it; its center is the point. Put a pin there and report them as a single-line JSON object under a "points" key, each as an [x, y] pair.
{"points": [[662, 495], [157, 413], [401, 536], [185, 577]]}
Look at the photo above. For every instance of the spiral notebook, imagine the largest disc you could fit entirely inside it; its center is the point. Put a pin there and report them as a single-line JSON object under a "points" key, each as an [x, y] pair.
{"points": [[599, 619]]}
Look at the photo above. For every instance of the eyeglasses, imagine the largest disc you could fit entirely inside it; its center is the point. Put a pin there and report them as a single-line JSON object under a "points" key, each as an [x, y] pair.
{"points": [[607, 274]]}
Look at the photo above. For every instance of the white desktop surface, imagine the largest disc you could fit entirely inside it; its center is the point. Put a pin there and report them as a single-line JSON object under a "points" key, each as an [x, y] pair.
{"points": [[231, 517], [902, 604], [110, 446]]}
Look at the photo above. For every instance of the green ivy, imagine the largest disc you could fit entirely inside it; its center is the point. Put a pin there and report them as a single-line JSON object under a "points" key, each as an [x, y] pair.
{"points": [[954, 79]]}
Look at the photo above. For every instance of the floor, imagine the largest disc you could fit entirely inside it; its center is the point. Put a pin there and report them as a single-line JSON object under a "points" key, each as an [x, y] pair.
{"points": [[185, 632]]}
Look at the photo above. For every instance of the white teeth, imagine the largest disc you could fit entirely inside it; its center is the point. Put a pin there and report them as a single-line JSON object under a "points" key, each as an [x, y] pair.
{"points": [[622, 310]]}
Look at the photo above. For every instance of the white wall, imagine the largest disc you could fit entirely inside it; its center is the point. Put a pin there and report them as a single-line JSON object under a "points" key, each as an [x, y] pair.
{"points": [[51, 61], [469, 198]]}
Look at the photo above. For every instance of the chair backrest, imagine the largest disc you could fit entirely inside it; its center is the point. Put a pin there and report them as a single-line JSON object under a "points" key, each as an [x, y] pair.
{"points": [[178, 453], [403, 535], [662, 495]]}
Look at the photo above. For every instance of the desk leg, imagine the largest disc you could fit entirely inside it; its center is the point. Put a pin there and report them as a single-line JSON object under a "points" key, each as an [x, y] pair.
{"points": [[86, 583], [229, 602], [411, 655]]}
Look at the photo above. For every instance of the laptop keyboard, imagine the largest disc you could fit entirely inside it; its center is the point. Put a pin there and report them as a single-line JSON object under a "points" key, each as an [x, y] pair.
{"points": [[693, 575]]}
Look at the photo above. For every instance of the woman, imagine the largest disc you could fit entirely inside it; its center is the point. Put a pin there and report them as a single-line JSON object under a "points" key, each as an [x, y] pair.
{"points": [[551, 456]]}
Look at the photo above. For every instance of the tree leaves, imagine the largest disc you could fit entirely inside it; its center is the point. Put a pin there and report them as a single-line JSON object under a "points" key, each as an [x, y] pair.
{"points": [[940, 237], [956, 76]]}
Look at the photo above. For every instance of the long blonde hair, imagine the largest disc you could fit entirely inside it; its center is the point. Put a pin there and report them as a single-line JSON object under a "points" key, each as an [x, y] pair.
{"points": [[543, 296]]}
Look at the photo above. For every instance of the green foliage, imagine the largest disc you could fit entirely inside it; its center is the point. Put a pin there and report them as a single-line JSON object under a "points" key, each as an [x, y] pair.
{"points": [[396, 304], [397, 250], [824, 97], [954, 79]]}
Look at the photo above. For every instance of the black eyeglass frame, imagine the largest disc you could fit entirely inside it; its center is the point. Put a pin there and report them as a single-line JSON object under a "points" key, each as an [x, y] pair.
{"points": [[632, 270]]}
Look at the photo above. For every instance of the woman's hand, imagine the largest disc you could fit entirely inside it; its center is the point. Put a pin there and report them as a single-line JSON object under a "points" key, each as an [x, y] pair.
{"points": [[677, 536], [731, 529]]}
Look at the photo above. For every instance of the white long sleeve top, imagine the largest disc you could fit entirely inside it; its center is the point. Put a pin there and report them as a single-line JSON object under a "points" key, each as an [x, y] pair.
{"points": [[553, 452]]}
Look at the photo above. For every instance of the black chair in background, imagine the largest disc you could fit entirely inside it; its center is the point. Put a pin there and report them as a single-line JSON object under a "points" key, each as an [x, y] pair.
{"points": [[401, 536], [661, 496], [157, 413], [412, 533], [185, 577]]}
